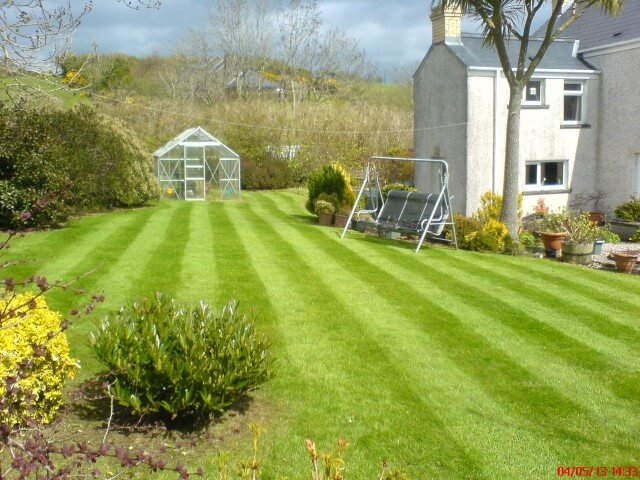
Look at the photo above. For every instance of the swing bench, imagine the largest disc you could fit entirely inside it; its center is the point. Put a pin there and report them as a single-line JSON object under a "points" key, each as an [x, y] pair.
{"points": [[405, 212]]}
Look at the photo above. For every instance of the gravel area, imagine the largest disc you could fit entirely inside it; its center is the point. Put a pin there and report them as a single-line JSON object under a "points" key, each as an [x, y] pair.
{"points": [[603, 261]]}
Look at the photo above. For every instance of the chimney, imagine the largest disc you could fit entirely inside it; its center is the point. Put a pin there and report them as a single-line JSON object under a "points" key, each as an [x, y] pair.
{"points": [[446, 24]]}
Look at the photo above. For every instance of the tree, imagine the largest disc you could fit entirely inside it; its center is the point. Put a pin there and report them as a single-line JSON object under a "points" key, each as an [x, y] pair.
{"points": [[502, 21]]}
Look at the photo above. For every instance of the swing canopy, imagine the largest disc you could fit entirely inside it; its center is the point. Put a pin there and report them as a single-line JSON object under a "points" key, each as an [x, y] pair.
{"points": [[420, 213], [196, 164]]}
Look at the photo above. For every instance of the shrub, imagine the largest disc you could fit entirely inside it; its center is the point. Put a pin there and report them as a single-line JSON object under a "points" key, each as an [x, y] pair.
{"points": [[331, 180], [96, 161], [34, 360], [527, 239], [179, 360], [464, 226], [491, 207], [629, 211], [325, 207], [493, 236], [267, 173]]}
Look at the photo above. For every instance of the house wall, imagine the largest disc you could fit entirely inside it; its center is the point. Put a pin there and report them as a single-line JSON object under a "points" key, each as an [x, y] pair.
{"points": [[618, 167], [541, 138], [440, 116]]}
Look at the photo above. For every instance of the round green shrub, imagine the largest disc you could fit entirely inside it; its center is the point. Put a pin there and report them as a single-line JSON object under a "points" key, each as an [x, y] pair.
{"points": [[179, 360], [396, 186]]}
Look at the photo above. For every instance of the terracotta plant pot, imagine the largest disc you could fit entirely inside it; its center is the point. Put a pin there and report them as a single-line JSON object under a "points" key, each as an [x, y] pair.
{"points": [[626, 261], [341, 220], [552, 243], [325, 219], [578, 253]]}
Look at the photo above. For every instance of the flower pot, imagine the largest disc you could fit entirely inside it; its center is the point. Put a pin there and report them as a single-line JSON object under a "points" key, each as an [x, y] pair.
{"points": [[393, 235], [626, 261], [597, 247], [552, 243], [325, 219], [341, 220], [577, 253], [625, 230], [359, 225]]}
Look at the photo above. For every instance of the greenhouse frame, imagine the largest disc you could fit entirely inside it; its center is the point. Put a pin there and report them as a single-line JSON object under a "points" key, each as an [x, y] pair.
{"points": [[196, 165]]}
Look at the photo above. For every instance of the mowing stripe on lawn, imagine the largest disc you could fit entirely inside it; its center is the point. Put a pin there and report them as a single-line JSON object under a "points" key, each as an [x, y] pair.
{"points": [[331, 343], [583, 301], [587, 419], [162, 273], [581, 319], [198, 273]]}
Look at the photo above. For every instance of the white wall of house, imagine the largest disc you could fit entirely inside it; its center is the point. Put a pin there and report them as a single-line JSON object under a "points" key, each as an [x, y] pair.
{"points": [[543, 137], [619, 137], [440, 86]]}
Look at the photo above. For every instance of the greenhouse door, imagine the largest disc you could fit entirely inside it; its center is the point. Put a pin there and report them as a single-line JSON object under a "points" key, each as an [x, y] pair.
{"points": [[194, 179]]}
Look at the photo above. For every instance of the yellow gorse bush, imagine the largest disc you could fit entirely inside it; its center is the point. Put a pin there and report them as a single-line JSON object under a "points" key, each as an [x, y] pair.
{"points": [[34, 333]]}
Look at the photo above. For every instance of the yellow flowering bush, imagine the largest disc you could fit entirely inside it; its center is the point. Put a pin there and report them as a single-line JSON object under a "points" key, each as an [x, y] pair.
{"points": [[493, 236], [33, 334]]}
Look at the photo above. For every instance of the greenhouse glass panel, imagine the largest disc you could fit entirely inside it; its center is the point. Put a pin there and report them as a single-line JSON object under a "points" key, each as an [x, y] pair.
{"points": [[197, 166]]}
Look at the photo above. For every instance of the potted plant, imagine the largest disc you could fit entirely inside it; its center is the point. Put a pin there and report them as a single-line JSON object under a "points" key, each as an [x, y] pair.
{"points": [[325, 211], [580, 235], [552, 233], [627, 220], [342, 215], [626, 260]]}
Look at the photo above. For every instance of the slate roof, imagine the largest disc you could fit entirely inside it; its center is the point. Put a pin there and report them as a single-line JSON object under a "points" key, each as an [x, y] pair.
{"points": [[559, 56], [597, 29]]}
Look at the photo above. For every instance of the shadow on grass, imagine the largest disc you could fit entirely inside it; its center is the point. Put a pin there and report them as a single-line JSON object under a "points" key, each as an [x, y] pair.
{"points": [[92, 403]]}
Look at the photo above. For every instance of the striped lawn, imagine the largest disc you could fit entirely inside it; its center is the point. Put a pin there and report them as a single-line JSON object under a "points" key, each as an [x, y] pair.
{"points": [[450, 364]]}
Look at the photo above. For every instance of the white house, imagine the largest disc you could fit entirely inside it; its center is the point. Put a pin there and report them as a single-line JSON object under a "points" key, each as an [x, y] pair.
{"points": [[580, 121]]}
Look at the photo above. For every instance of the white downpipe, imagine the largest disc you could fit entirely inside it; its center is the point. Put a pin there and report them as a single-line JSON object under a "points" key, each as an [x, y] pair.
{"points": [[496, 92]]}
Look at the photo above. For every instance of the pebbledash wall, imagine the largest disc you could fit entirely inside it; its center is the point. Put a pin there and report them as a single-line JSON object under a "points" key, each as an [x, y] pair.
{"points": [[618, 166]]}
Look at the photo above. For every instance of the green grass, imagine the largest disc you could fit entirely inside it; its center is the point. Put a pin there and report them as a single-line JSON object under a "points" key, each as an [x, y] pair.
{"points": [[49, 90], [450, 364]]}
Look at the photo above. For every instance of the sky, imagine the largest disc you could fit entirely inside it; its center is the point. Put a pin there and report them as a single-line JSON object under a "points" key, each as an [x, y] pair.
{"points": [[395, 34]]}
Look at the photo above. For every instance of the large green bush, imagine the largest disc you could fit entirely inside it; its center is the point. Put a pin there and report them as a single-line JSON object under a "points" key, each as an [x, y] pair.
{"points": [[55, 162], [179, 360], [330, 180]]}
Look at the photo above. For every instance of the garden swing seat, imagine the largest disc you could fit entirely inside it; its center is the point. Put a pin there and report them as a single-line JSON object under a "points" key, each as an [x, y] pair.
{"points": [[411, 212], [416, 213]]}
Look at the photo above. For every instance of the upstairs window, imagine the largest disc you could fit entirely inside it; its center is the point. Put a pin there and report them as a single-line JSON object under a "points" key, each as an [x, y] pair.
{"points": [[573, 102], [533, 93], [545, 175]]}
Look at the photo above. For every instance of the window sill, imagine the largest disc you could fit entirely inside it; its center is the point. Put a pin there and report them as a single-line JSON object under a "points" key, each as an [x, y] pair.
{"points": [[535, 107], [575, 125], [546, 192]]}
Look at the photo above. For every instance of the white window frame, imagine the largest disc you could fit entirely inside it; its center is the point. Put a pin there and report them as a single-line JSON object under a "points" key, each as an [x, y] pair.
{"points": [[542, 91], [538, 186], [575, 93]]}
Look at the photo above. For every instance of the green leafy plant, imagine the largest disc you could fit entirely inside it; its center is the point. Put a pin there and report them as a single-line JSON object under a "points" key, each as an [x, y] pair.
{"points": [[181, 360], [331, 180], [629, 211], [635, 238], [576, 226], [492, 236], [324, 207], [491, 207], [528, 239], [604, 233]]}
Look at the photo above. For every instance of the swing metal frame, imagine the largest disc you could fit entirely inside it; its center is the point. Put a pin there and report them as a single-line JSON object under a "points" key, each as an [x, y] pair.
{"points": [[429, 223]]}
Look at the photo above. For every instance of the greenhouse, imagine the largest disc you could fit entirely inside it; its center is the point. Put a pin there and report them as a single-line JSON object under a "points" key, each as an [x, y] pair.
{"points": [[195, 166]]}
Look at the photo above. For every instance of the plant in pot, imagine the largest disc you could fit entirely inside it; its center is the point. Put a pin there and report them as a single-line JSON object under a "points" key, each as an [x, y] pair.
{"points": [[552, 233], [342, 215], [627, 220], [626, 260], [580, 234], [325, 211]]}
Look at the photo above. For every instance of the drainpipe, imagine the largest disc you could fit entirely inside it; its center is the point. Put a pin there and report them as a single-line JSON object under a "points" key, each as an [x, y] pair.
{"points": [[496, 92]]}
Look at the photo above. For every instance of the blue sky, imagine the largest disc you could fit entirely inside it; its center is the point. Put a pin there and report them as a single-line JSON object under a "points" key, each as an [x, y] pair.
{"points": [[395, 35]]}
